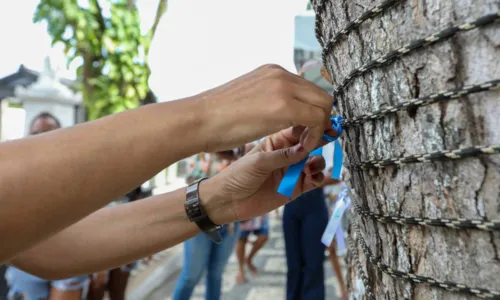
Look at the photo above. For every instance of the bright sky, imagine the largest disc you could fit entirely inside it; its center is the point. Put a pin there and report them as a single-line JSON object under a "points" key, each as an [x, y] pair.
{"points": [[26, 43], [207, 42], [202, 44]]}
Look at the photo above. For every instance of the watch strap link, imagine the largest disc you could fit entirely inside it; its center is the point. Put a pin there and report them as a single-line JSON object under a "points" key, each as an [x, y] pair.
{"points": [[197, 214]]}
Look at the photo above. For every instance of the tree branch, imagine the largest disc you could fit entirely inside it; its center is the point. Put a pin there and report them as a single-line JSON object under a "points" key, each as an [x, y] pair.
{"points": [[99, 17], [160, 11]]}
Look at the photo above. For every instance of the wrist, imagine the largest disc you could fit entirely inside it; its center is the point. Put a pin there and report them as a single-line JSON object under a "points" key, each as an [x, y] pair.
{"points": [[219, 128], [181, 118], [216, 207]]}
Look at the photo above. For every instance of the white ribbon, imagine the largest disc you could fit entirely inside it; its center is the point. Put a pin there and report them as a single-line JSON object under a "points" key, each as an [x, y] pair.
{"points": [[334, 227]]}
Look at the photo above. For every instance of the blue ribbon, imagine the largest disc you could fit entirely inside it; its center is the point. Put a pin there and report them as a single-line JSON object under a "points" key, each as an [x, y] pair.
{"points": [[292, 175], [338, 158]]}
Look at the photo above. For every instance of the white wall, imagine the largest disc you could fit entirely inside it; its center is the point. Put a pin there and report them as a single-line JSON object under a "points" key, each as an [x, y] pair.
{"points": [[12, 126]]}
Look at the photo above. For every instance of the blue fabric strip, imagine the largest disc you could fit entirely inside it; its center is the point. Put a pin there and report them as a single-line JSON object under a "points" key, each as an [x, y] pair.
{"points": [[292, 175], [338, 160]]}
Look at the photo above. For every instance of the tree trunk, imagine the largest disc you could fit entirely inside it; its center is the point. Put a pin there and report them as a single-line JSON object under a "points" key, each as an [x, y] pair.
{"points": [[461, 188]]}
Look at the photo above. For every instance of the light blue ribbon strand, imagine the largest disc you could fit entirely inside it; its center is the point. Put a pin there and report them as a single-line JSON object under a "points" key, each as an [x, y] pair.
{"points": [[334, 227], [338, 160], [292, 175]]}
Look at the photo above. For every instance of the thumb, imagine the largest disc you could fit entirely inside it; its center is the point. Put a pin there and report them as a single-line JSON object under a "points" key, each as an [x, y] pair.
{"points": [[282, 158]]}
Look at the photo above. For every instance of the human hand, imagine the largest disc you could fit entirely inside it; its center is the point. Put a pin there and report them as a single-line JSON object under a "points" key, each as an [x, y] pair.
{"points": [[248, 188], [261, 103]]}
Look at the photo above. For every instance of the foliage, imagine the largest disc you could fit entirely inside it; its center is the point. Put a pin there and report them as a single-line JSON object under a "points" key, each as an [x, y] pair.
{"points": [[106, 37]]}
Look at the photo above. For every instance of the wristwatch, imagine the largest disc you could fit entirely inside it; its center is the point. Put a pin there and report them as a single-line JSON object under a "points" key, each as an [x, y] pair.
{"points": [[197, 214]]}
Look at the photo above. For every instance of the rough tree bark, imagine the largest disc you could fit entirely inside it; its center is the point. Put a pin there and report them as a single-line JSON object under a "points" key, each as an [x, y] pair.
{"points": [[467, 188]]}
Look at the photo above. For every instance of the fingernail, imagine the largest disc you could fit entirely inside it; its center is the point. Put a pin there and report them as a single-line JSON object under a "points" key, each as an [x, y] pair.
{"points": [[299, 148]]}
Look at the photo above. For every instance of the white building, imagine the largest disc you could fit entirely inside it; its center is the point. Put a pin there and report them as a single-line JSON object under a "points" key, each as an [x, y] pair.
{"points": [[31, 93]]}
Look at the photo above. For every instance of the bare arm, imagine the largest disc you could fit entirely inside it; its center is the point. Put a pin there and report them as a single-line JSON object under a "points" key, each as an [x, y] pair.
{"points": [[111, 237], [53, 180], [62, 176], [116, 235]]}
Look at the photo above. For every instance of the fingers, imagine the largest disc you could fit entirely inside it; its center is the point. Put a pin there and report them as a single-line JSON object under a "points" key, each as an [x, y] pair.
{"points": [[314, 118], [285, 138], [311, 108], [313, 138], [263, 102], [311, 182], [308, 183], [314, 165], [308, 92], [317, 179], [281, 158]]}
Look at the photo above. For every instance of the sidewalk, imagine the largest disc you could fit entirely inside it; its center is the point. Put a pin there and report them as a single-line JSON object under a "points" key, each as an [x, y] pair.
{"points": [[269, 284]]}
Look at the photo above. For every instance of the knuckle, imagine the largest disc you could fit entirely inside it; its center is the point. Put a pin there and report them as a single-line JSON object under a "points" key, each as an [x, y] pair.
{"points": [[272, 67], [276, 71], [284, 154]]}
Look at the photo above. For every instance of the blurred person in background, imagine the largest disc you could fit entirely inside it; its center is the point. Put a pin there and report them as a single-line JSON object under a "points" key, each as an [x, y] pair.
{"points": [[200, 253], [259, 227], [25, 286], [304, 221]]}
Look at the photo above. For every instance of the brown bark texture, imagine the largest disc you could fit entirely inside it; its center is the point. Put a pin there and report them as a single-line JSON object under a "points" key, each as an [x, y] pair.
{"points": [[462, 188]]}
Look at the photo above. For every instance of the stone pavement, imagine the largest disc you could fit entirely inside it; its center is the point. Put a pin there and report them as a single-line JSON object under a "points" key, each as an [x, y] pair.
{"points": [[269, 284]]}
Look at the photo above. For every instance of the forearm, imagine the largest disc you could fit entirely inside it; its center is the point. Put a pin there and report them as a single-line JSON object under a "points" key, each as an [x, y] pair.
{"points": [[62, 176], [112, 237], [51, 181]]}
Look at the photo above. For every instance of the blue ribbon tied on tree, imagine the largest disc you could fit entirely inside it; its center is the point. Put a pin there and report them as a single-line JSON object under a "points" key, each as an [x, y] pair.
{"points": [[292, 175]]}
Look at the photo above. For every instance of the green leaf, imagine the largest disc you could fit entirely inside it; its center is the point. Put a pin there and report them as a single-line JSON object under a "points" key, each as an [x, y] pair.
{"points": [[114, 71], [109, 43]]}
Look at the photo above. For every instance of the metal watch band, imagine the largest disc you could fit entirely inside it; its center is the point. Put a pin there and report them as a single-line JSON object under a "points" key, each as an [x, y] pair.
{"points": [[197, 214]]}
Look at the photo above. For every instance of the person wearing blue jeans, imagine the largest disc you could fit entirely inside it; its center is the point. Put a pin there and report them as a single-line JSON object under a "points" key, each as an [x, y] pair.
{"points": [[304, 221], [201, 254], [25, 286]]}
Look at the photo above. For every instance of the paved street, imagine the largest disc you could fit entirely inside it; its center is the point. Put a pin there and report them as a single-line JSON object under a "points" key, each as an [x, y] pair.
{"points": [[269, 284]]}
